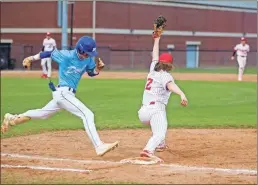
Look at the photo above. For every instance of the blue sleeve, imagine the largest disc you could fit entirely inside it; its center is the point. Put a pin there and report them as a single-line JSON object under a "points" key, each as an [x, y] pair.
{"points": [[91, 74], [45, 54], [90, 68], [59, 56]]}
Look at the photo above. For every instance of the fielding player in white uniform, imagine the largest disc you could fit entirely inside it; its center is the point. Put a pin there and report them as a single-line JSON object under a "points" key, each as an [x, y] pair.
{"points": [[156, 94], [49, 44], [241, 50]]}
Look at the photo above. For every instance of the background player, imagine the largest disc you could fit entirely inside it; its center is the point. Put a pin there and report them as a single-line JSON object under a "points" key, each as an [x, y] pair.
{"points": [[49, 44], [156, 94], [72, 65], [241, 50]]}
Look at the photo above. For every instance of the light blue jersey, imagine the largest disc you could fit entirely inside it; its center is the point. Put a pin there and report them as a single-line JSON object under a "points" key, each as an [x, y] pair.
{"points": [[71, 68]]}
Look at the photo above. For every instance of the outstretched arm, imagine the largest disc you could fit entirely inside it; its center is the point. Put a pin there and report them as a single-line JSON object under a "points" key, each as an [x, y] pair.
{"points": [[155, 51], [171, 86], [159, 25], [27, 61]]}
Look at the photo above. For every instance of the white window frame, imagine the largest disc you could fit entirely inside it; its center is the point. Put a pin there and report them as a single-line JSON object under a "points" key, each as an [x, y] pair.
{"points": [[10, 41]]}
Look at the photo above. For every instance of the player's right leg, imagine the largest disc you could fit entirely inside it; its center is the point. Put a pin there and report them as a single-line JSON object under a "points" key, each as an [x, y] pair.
{"points": [[144, 115], [49, 67], [44, 68], [158, 124], [69, 102], [43, 113]]}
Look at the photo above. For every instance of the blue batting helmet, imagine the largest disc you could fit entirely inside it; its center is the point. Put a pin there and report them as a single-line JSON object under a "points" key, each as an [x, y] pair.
{"points": [[86, 45]]}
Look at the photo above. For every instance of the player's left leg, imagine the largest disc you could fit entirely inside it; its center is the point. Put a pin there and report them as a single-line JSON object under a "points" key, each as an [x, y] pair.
{"points": [[44, 69], [49, 67], [162, 147], [244, 64], [144, 115], [69, 102], [241, 67]]}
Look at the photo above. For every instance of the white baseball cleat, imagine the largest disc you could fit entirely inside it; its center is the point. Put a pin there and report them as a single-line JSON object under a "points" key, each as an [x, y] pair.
{"points": [[106, 147], [7, 122], [148, 154]]}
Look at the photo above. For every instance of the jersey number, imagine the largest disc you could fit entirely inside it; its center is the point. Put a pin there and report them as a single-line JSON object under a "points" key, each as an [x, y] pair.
{"points": [[149, 82]]}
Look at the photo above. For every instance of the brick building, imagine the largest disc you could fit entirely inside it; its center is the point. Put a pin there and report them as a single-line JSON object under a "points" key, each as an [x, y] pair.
{"points": [[123, 27]]}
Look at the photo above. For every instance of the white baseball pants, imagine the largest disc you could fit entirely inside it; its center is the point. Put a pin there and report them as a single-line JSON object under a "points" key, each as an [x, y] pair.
{"points": [[47, 70], [156, 116], [65, 99], [241, 66]]}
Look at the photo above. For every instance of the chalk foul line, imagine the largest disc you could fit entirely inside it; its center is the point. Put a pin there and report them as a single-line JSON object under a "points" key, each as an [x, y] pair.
{"points": [[45, 168], [171, 166]]}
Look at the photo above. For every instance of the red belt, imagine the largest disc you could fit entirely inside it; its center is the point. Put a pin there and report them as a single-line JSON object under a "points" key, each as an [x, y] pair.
{"points": [[151, 103]]}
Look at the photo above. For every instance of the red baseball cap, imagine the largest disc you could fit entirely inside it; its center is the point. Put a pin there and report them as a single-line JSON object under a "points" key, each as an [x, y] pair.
{"points": [[166, 58], [243, 39], [48, 33]]}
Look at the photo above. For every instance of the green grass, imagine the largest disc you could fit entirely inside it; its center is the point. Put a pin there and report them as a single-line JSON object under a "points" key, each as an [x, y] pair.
{"points": [[224, 70], [248, 70], [116, 102]]}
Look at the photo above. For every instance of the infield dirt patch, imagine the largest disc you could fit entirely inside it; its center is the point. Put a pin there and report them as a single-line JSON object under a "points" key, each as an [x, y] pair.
{"points": [[142, 75], [214, 148]]}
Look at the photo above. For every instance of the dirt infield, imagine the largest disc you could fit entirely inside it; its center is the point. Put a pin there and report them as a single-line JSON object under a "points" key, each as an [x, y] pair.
{"points": [[195, 156], [142, 75]]}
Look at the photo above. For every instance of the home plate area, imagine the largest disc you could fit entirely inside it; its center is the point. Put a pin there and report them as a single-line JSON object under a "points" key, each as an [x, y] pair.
{"points": [[140, 160], [57, 164]]}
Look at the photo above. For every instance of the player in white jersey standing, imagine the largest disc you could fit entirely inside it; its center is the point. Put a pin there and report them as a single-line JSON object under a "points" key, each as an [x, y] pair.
{"points": [[156, 94], [241, 50], [49, 44]]}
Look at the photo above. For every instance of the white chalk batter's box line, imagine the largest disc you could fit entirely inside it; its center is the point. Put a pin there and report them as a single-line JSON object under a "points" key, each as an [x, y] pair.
{"points": [[170, 166]]}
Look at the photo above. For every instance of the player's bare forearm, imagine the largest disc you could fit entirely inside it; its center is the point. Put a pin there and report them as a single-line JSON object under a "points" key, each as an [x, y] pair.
{"points": [[155, 51], [174, 88]]}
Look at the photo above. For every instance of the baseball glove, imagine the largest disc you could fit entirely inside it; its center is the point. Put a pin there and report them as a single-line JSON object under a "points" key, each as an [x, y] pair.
{"points": [[99, 64], [27, 62], [159, 26]]}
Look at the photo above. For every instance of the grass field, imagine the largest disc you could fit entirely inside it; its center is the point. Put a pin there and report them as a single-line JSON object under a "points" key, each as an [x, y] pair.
{"points": [[224, 70], [116, 102]]}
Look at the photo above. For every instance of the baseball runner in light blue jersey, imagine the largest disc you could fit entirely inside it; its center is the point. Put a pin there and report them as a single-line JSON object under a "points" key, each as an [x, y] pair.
{"points": [[72, 65]]}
